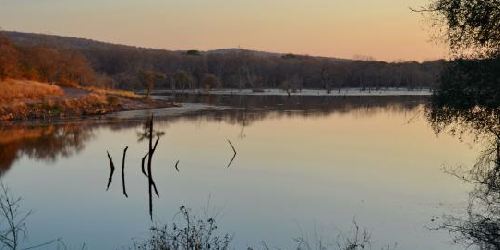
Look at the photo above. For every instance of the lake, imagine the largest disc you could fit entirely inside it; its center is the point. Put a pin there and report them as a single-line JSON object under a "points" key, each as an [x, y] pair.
{"points": [[305, 167]]}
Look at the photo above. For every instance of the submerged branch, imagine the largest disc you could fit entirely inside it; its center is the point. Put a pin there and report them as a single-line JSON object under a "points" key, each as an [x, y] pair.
{"points": [[123, 171], [143, 164], [111, 170], [234, 153], [177, 166], [146, 174]]}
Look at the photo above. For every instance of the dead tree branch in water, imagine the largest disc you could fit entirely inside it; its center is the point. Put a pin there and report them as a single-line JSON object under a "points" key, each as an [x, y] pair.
{"points": [[123, 172], [149, 173], [111, 170], [177, 166], [234, 155]]}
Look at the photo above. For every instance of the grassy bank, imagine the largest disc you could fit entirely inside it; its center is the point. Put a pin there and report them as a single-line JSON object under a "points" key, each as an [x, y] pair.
{"points": [[28, 100]]}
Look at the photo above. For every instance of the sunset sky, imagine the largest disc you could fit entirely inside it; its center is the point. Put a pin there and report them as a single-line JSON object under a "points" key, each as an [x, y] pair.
{"points": [[383, 29]]}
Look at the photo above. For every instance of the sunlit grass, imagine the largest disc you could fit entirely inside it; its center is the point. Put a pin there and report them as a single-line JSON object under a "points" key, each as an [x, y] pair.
{"points": [[114, 92], [21, 90]]}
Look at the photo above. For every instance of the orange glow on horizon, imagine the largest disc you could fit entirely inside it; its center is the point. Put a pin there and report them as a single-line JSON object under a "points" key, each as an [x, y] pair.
{"points": [[386, 29]]}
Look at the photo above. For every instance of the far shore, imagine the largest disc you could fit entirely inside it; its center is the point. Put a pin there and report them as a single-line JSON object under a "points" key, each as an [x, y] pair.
{"points": [[304, 92], [22, 100]]}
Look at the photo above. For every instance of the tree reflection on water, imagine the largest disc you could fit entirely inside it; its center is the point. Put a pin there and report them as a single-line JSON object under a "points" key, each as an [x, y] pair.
{"points": [[54, 141], [480, 226], [47, 142]]}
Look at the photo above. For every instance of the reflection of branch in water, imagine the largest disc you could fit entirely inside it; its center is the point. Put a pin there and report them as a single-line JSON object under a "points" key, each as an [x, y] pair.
{"points": [[111, 170], [146, 174], [480, 226], [143, 164], [123, 171], [177, 166], [53, 142], [234, 155]]}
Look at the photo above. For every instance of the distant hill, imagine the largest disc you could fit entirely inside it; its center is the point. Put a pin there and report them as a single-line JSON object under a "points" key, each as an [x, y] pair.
{"points": [[121, 66], [76, 43], [33, 39]]}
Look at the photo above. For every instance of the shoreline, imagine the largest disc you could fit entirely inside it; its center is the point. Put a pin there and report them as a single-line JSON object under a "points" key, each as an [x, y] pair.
{"points": [[304, 92], [37, 113], [22, 100], [77, 103]]}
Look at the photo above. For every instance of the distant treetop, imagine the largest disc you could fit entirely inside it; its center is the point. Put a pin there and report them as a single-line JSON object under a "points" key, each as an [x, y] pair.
{"points": [[193, 52]]}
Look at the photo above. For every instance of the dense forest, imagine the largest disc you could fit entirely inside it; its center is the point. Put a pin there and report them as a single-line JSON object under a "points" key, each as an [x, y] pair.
{"points": [[44, 64], [67, 60]]}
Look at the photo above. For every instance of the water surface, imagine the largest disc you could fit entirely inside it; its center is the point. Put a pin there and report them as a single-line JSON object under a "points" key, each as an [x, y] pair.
{"points": [[305, 166]]}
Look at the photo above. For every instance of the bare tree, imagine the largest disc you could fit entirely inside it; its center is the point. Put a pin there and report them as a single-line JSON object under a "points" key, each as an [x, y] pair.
{"points": [[13, 229]]}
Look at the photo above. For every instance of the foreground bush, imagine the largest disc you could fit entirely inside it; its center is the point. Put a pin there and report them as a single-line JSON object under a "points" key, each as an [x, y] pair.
{"points": [[190, 234]]}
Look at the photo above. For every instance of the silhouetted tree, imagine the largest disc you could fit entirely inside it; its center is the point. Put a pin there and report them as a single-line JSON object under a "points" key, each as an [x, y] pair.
{"points": [[472, 26], [480, 226], [473, 32]]}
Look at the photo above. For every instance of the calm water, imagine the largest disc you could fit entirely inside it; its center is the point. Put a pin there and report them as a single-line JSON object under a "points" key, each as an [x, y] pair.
{"points": [[304, 167]]}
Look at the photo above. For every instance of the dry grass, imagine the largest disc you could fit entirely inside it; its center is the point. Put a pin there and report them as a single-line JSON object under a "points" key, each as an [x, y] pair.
{"points": [[90, 104], [21, 99], [28, 100], [113, 92], [16, 90]]}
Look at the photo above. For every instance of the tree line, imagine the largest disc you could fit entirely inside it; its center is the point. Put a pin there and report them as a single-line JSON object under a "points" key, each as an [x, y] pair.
{"points": [[247, 69], [89, 62], [44, 64]]}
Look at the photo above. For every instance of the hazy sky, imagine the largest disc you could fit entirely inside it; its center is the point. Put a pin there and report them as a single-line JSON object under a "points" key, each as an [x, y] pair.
{"points": [[384, 29]]}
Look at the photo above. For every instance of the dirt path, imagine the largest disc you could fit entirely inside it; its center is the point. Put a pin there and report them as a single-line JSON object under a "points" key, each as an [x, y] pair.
{"points": [[74, 92]]}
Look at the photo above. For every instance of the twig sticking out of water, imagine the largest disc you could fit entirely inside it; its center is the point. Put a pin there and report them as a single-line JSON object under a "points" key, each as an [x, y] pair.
{"points": [[177, 166], [123, 171], [151, 151], [234, 155], [111, 170]]}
